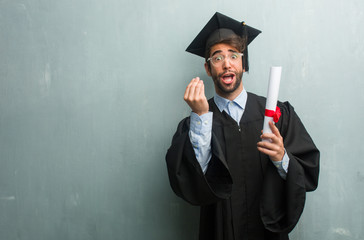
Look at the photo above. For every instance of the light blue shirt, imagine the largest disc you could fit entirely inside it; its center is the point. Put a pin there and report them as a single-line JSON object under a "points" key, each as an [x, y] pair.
{"points": [[201, 128]]}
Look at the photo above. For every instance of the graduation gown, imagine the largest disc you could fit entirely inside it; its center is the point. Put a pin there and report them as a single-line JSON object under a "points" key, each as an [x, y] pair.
{"points": [[241, 194]]}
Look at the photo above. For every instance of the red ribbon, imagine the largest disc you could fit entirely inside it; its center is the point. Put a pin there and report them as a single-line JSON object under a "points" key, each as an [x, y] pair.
{"points": [[275, 114]]}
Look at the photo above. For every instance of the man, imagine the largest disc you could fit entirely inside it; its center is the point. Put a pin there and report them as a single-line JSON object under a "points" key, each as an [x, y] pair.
{"points": [[247, 188]]}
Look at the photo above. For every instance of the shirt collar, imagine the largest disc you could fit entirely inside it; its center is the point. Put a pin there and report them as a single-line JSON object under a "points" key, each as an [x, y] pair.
{"points": [[240, 100]]}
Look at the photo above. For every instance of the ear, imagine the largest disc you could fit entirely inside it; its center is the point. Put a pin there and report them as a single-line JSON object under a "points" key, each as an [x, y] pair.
{"points": [[207, 69]]}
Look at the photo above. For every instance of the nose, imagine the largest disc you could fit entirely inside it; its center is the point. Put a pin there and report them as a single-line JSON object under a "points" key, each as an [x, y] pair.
{"points": [[226, 64]]}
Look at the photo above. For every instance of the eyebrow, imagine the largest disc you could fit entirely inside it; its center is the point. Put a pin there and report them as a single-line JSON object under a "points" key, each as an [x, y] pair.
{"points": [[220, 51]]}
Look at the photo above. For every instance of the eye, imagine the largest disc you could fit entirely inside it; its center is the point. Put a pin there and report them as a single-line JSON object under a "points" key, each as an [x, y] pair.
{"points": [[218, 58], [234, 56]]}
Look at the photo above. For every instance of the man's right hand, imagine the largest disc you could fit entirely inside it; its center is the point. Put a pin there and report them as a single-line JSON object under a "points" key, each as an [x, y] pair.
{"points": [[195, 97]]}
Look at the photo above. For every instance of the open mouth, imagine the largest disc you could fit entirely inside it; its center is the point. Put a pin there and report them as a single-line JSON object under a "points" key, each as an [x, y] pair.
{"points": [[227, 78]]}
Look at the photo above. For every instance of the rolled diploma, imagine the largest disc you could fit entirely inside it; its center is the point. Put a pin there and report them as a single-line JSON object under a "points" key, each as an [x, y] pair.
{"points": [[272, 95]]}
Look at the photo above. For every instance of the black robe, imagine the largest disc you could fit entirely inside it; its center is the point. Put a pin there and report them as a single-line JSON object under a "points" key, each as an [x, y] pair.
{"points": [[242, 195]]}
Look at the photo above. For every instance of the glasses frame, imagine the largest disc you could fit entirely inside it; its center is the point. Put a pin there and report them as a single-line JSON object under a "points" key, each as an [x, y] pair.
{"points": [[225, 57]]}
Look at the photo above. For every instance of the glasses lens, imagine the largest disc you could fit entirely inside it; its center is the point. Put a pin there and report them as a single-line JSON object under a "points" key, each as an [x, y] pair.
{"points": [[233, 56], [218, 59]]}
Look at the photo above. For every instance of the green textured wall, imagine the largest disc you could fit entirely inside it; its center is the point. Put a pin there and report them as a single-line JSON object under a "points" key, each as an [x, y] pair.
{"points": [[91, 93]]}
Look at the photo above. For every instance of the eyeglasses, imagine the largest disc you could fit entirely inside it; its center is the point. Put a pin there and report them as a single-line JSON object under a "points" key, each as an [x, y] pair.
{"points": [[218, 59]]}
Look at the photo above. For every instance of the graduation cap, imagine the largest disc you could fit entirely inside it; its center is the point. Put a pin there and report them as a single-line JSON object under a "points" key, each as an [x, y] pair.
{"points": [[221, 27]]}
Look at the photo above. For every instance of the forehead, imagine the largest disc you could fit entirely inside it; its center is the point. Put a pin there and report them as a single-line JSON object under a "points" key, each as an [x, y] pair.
{"points": [[222, 47]]}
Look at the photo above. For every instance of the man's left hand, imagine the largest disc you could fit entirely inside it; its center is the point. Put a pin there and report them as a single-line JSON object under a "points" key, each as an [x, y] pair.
{"points": [[274, 148]]}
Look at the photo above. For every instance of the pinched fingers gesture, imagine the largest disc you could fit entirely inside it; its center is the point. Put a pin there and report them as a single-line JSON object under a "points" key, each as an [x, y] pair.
{"points": [[195, 96], [274, 148]]}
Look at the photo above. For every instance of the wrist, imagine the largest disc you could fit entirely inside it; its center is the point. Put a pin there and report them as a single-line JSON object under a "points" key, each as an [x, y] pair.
{"points": [[199, 113]]}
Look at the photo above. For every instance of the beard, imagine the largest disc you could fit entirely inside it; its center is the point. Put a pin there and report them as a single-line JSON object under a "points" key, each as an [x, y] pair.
{"points": [[238, 78]]}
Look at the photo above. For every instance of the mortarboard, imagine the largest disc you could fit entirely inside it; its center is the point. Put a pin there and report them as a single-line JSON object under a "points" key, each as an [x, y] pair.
{"points": [[218, 28]]}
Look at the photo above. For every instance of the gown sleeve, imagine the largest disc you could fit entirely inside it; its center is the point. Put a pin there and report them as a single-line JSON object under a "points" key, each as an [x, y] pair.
{"points": [[186, 176], [282, 201]]}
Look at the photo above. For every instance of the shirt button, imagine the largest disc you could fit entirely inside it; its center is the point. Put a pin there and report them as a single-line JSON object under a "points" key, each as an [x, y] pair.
{"points": [[198, 123]]}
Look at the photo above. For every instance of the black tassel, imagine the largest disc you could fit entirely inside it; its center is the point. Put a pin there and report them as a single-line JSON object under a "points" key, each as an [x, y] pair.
{"points": [[245, 52]]}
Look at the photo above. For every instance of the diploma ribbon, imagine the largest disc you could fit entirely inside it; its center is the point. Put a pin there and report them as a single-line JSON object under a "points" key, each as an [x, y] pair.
{"points": [[275, 114]]}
